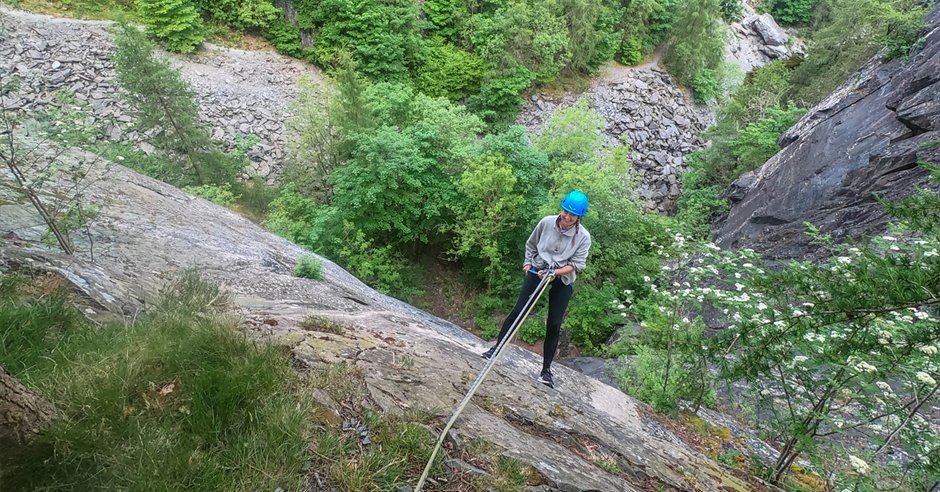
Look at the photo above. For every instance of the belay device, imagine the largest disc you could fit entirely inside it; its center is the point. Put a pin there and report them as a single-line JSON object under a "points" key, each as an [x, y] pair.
{"points": [[534, 298]]}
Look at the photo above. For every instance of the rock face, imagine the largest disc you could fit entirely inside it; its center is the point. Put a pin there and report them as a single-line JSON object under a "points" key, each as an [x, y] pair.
{"points": [[148, 232], [240, 92], [644, 108], [866, 138]]}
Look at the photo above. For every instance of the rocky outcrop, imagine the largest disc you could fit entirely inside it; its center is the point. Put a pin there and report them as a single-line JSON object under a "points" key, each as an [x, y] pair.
{"points": [[148, 232], [864, 140], [644, 108], [757, 40], [240, 93]]}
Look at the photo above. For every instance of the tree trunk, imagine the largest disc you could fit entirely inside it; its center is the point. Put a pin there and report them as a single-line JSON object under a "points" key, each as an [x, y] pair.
{"points": [[23, 413]]}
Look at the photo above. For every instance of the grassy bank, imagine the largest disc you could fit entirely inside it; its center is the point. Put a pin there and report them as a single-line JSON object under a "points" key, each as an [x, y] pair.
{"points": [[181, 399], [178, 400]]}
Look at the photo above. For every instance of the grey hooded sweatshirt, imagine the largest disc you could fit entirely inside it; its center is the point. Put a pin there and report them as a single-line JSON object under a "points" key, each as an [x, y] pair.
{"points": [[548, 247]]}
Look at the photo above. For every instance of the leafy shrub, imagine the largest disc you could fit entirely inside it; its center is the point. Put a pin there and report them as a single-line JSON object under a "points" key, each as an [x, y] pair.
{"points": [[763, 89], [758, 141], [731, 10], [631, 52], [291, 216], [217, 194], [697, 207], [533, 327], [254, 197], [666, 368], [789, 11], [309, 266], [705, 85], [450, 72], [593, 317], [175, 21], [285, 37], [381, 267]]}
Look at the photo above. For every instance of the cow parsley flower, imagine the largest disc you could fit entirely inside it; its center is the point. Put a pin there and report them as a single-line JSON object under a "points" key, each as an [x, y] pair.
{"points": [[859, 465], [926, 378]]}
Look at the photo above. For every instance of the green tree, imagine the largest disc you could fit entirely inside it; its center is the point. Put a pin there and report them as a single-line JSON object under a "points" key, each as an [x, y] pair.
{"points": [[402, 166], [530, 171], [499, 100], [451, 72], [846, 33], [534, 36], [789, 11], [591, 37], [488, 183], [645, 24], [381, 36], [312, 139], [763, 89], [572, 134], [249, 14], [166, 109], [697, 40], [442, 16], [175, 21]]}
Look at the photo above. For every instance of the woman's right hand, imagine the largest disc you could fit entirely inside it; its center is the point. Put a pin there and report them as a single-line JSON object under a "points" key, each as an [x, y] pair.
{"points": [[526, 268]]}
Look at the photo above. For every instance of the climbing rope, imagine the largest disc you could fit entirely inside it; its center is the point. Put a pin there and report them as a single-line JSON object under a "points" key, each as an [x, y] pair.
{"points": [[486, 369]]}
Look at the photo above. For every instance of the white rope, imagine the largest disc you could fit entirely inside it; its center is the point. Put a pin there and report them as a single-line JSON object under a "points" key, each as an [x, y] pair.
{"points": [[486, 369]]}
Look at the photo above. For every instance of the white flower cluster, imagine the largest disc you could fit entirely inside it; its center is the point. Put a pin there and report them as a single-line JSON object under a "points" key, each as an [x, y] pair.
{"points": [[925, 378], [859, 465]]}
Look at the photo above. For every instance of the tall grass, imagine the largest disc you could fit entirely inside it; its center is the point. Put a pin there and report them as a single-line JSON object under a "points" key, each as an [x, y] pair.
{"points": [[182, 400], [179, 401]]}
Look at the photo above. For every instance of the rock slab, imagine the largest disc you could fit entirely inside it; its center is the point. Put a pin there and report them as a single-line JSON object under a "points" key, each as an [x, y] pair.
{"points": [[863, 141]]}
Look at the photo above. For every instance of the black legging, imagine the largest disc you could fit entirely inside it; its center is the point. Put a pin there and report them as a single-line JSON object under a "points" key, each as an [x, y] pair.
{"points": [[558, 296]]}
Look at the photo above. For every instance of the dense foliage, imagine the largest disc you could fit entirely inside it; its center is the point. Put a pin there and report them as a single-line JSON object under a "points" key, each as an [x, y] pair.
{"points": [[848, 346]]}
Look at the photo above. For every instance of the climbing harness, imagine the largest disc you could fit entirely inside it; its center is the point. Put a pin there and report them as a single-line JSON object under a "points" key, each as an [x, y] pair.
{"points": [[534, 298]]}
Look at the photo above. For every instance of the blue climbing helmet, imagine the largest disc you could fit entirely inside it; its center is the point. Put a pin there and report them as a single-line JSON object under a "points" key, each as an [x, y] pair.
{"points": [[575, 202]]}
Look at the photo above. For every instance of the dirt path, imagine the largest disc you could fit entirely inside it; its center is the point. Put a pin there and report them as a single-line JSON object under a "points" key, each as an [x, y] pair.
{"points": [[615, 72]]}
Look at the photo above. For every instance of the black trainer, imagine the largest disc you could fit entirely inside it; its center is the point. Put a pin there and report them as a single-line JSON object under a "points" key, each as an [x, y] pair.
{"points": [[546, 378], [489, 353]]}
